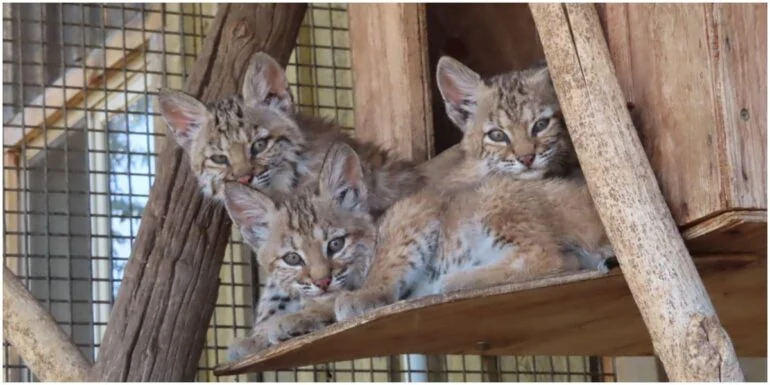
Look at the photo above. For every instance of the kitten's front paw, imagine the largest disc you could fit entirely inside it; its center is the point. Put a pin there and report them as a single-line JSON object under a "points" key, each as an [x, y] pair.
{"points": [[354, 303], [294, 325], [246, 346]]}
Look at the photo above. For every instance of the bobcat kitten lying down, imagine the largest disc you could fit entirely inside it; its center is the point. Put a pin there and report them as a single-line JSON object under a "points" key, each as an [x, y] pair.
{"points": [[258, 139], [496, 219], [314, 245]]}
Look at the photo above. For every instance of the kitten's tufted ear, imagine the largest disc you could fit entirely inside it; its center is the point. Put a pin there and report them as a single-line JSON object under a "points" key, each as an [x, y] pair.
{"points": [[251, 210], [184, 115], [457, 84], [342, 178], [266, 84], [540, 76]]}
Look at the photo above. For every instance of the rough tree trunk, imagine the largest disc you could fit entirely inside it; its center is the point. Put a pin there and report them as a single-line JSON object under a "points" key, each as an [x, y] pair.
{"points": [[674, 304], [158, 324], [45, 348]]}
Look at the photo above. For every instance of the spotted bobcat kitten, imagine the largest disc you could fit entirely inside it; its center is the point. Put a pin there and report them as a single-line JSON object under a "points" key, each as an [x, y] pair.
{"points": [[313, 245], [487, 226], [257, 138], [525, 133]]}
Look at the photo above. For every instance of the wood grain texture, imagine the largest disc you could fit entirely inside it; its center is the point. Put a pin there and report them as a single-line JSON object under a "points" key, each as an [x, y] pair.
{"points": [[161, 316], [581, 314], [46, 349], [671, 297], [391, 78], [729, 232], [488, 38], [739, 68], [690, 70]]}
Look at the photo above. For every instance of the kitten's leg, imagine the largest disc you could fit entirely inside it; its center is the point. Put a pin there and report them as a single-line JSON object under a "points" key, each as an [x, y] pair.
{"points": [[316, 313], [273, 302], [522, 264], [407, 244]]}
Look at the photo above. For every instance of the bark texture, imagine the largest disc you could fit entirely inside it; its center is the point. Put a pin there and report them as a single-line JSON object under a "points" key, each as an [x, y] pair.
{"points": [[43, 345], [685, 330], [161, 316]]}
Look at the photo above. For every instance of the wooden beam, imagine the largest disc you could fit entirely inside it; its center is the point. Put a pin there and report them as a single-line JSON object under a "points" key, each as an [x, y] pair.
{"points": [[674, 303], [162, 312], [391, 77], [45, 348]]}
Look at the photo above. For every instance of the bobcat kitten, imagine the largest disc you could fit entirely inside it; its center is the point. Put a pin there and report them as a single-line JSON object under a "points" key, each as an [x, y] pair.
{"points": [[495, 220], [258, 139], [313, 245], [524, 133]]}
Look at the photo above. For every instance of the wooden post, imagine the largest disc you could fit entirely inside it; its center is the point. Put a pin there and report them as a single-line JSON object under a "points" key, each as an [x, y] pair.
{"points": [[391, 80], [685, 330], [159, 322], [45, 348], [391, 77]]}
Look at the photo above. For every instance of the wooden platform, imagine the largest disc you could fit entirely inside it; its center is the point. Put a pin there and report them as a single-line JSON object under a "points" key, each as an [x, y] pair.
{"points": [[583, 314]]}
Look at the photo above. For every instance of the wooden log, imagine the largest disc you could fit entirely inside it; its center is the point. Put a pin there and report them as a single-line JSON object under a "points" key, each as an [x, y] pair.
{"points": [[391, 77], [43, 345], [160, 319], [685, 330]]}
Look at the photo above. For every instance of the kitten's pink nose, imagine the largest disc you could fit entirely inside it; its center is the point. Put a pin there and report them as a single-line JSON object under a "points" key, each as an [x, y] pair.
{"points": [[526, 159], [244, 179], [323, 283]]}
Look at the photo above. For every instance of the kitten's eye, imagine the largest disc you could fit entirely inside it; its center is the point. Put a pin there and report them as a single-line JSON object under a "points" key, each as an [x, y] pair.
{"points": [[258, 146], [497, 136], [293, 259], [335, 245], [540, 125], [219, 159]]}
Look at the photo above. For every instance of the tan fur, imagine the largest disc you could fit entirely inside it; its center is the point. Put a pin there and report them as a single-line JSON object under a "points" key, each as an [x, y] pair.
{"points": [[518, 100], [295, 143], [296, 300], [481, 226]]}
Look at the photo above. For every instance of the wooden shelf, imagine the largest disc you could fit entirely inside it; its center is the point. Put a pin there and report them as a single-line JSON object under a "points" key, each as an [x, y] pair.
{"points": [[580, 314], [734, 231]]}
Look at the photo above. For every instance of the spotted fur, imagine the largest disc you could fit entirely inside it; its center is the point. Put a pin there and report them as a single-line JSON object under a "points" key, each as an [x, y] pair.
{"points": [[486, 223], [270, 146], [313, 245], [532, 142]]}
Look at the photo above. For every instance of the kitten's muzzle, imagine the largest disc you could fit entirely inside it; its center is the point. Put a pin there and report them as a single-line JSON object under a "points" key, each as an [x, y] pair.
{"points": [[526, 159], [323, 283], [246, 179]]}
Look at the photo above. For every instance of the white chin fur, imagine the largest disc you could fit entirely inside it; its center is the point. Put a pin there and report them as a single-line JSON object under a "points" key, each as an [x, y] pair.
{"points": [[531, 175]]}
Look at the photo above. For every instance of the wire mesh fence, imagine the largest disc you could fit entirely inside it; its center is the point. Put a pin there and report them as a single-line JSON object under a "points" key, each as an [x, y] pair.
{"points": [[80, 141]]}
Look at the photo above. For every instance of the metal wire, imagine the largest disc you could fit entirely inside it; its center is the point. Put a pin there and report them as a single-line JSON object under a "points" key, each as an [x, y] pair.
{"points": [[77, 174]]}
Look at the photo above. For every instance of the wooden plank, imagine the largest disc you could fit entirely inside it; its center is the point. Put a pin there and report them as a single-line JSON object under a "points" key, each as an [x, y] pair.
{"points": [[159, 320], [391, 82], [739, 65], [690, 70], [738, 231], [464, 31], [665, 72], [585, 314], [391, 77], [671, 297]]}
